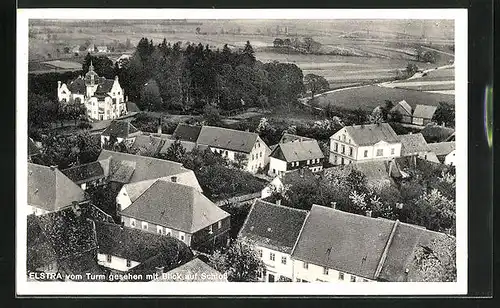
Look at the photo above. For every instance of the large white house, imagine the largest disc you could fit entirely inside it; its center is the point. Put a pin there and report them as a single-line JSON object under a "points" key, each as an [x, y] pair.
{"points": [[357, 143], [236, 145], [103, 98]]}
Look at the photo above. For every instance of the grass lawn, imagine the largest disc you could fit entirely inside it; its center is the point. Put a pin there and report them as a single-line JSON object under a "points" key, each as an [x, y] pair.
{"points": [[369, 97]]}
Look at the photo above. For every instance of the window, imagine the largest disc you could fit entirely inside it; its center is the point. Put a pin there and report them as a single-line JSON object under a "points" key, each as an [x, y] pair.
{"points": [[336, 147], [341, 276], [132, 222], [325, 270], [252, 157], [108, 258], [343, 137], [380, 152], [168, 231], [225, 153], [259, 251], [129, 264], [283, 259], [366, 153], [343, 149], [350, 151], [365, 280], [159, 229], [260, 154], [305, 265], [144, 225], [210, 229], [392, 151], [353, 278], [219, 224], [308, 161], [181, 236], [271, 256]]}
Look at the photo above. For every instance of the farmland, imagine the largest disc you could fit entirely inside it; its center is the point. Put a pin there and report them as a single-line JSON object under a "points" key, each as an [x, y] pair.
{"points": [[369, 97]]}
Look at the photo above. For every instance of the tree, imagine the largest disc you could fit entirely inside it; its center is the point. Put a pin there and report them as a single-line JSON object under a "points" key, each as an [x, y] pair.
{"points": [[211, 115], [175, 152], [150, 97], [437, 261], [249, 54], [240, 262], [278, 42], [360, 116], [445, 113], [66, 151], [386, 109], [411, 69], [315, 84], [240, 160]]}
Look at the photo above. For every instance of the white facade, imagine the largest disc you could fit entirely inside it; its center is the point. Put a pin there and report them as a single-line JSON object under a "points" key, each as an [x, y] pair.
{"points": [[36, 211], [127, 141], [343, 150], [276, 166], [257, 158], [307, 272], [277, 264], [450, 159], [276, 185], [116, 263]]}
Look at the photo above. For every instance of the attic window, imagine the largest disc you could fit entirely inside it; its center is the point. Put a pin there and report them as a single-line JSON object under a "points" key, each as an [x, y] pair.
{"points": [[174, 179]]}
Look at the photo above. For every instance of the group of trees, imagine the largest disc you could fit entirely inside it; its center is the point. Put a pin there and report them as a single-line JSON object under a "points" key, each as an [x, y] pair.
{"points": [[307, 44], [169, 77], [445, 114]]}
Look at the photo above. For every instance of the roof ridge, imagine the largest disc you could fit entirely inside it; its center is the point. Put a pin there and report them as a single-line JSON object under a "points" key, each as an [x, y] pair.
{"points": [[281, 206], [144, 157], [383, 257], [300, 233], [230, 129], [248, 215], [141, 194]]}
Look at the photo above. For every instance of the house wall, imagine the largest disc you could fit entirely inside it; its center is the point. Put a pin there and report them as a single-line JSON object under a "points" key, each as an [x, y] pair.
{"points": [[63, 93], [315, 273], [276, 166], [122, 199], [36, 211], [450, 159], [205, 240], [117, 263], [274, 185], [153, 228], [275, 268]]}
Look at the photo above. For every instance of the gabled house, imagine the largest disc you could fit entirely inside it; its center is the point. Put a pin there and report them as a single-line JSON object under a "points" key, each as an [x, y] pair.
{"points": [[121, 131], [193, 271], [357, 143], [336, 246], [414, 146], [295, 154], [437, 133], [127, 250], [92, 174], [444, 151], [423, 114], [234, 145], [273, 230], [180, 211], [403, 110], [62, 245], [147, 145], [49, 190]]}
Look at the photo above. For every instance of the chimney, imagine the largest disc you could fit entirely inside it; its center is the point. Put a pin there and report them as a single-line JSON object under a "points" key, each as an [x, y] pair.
{"points": [[333, 205], [58, 86], [173, 179], [53, 167], [368, 213], [126, 98], [159, 271], [159, 126], [278, 202]]}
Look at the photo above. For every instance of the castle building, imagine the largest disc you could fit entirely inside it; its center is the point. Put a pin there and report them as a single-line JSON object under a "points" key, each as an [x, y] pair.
{"points": [[103, 98]]}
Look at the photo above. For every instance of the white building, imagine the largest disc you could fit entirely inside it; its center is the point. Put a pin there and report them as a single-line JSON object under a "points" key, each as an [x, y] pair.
{"points": [[236, 145], [103, 98], [273, 229], [357, 143], [444, 151], [295, 154], [122, 131]]}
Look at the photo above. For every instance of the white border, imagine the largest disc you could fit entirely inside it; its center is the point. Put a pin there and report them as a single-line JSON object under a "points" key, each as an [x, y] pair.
{"points": [[265, 289]]}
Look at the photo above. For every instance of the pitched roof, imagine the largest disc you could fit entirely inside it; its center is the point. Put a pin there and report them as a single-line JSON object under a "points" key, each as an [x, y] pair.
{"points": [[78, 86], [186, 132], [372, 133], [187, 145], [193, 271], [147, 144], [297, 173], [343, 241], [273, 226], [32, 148], [402, 105], [229, 139], [132, 107], [424, 111], [104, 86], [50, 190], [412, 144], [175, 206], [135, 244], [88, 172], [120, 129], [442, 148], [146, 168], [298, 151], [433, 131], [286, 137]]}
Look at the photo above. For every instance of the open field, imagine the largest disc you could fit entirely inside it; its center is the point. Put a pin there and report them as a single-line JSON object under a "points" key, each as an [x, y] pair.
{"points": [[369, 97]]}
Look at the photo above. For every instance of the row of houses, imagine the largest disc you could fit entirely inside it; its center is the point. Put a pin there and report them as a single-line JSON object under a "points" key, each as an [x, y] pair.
{"points": [[404, 113], [328, 245]]}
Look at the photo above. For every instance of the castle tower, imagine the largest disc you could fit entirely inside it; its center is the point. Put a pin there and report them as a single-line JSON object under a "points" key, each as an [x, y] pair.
{"points": [[91, 80]]}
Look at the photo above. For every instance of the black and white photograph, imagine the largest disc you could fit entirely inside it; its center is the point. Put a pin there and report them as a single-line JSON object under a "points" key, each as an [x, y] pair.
{"points": [[184, 152]]}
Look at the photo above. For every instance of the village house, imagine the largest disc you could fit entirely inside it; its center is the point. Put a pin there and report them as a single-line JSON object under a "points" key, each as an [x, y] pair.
{"points": [[423, 114], [172, 209], [414, 146], [193, 271], [278, 183], [236, 146], [102, 49], [103, 98], [357, 143], [186, 135], [89, 175], [273, 230], [295, 154], [127, 250], [121, 131], [402, 109], [49, 190], [444, 151], [287, 137], [337, 246], [437, 133]]}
